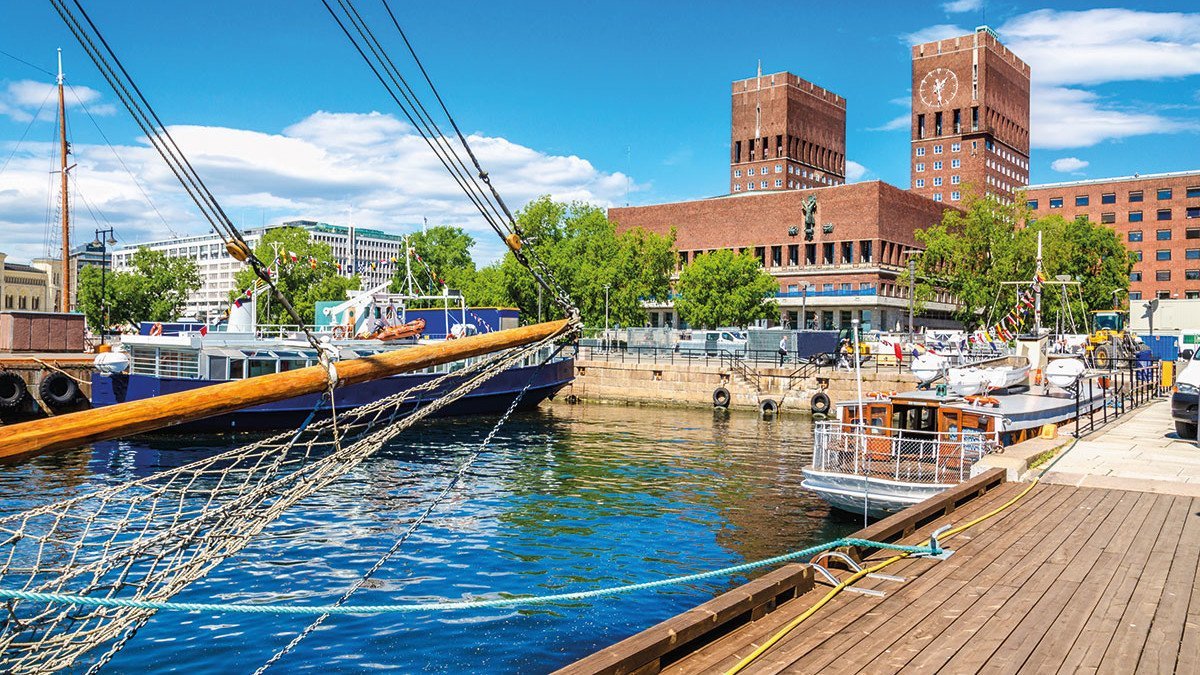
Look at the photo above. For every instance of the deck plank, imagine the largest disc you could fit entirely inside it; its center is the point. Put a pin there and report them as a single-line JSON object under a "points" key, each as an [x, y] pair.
{"points": [[1160, 653]]}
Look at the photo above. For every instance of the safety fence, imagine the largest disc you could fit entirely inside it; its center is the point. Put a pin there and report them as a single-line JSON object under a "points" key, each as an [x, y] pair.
{"points": [[899, 454]]}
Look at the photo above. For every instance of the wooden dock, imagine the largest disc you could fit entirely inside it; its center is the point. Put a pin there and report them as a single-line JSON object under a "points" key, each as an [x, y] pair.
{"points": [[1066, 580]]}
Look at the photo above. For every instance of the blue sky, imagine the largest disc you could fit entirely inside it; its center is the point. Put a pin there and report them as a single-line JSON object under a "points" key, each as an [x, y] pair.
{"points": [[608, 102]]}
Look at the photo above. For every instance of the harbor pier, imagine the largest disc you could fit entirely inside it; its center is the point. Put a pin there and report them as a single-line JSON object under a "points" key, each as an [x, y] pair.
{"points": [[1098, 574]]}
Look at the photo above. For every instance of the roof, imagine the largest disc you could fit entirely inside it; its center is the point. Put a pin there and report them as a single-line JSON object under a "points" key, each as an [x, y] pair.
{"points": [[18, 267], [1117, 179]]}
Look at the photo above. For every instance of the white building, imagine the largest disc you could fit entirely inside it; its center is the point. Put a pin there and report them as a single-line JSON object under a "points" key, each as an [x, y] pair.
{"points": [[369, 251]]}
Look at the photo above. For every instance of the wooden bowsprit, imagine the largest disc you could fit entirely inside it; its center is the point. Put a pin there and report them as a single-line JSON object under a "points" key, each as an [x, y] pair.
{"points": [[125, 419]]}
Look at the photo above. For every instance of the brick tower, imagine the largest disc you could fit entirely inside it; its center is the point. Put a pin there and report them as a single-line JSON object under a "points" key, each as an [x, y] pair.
{"points": [[787, 134], [970, 118]]}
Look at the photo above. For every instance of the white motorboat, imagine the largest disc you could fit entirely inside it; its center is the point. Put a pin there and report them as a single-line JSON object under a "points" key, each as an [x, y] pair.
{"points": [[997, 374], [1064, 372], [929, 366]]}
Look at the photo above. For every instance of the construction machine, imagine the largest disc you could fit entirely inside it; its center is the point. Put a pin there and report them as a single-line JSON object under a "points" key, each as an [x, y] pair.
{"points": [[1111, 339]]}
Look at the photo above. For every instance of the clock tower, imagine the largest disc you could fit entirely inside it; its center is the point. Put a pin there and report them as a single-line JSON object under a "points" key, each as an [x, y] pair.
{"points": [[970, 118]]}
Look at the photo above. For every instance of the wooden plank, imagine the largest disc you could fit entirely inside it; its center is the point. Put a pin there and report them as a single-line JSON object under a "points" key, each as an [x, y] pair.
{"points": [[645, 650], [737, 644], [134, 417], [911, 606], [987, 583], [1046, 626], [1134, 626], [1102, 623], [1189, 649], [1162, 649]]}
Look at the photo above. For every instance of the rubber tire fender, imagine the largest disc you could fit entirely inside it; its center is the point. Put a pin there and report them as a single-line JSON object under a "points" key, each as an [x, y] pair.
{"points": [[721, 397], [13, 391], [58, 391], [819, 403], [768, 406]]}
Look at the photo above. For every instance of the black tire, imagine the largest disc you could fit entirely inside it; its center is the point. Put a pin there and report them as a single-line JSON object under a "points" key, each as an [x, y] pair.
{"points": [[1185, 430], [1103, 357], [768, 407], [58, 391], [721, 397], [820, 403], [572, 399], [13, 391]]}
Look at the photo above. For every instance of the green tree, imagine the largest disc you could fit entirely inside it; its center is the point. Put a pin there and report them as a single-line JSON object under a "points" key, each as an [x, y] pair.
{"points": [[156, 289], [446, 250], [724, 288], [972, 252], [312, 278]]}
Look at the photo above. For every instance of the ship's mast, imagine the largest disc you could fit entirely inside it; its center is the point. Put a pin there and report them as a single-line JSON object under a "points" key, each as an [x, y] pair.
{"points": [[65, 296], [1037, 302]]}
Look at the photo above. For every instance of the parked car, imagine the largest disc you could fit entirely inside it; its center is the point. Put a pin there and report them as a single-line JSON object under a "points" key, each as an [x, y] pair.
{"points": [[1187, 394]]}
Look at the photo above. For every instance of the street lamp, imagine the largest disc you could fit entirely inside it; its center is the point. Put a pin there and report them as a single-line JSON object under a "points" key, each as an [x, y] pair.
{"points": [[912, 287], [606, 287], [103, 244]]}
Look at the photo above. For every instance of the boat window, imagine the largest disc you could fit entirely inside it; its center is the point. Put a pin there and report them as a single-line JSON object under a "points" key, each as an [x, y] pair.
{"points": [[237, 369], [285, 355], [262, 367], [178, 363], [291, 364], [926, 421], [218, 367]]}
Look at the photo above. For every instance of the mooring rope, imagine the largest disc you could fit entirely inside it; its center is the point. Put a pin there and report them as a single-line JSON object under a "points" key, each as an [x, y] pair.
{"points": [[243, 608]]}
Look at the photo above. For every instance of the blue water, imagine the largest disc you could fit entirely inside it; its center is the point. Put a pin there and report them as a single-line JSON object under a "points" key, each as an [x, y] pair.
{"points": [[569, 498]]}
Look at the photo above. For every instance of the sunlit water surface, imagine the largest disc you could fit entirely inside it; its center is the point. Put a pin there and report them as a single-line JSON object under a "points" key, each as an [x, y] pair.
{"points": [[568, 498]]}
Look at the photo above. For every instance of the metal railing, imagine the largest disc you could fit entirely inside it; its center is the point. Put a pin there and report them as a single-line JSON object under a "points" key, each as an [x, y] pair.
{"points": [[1127, 384], [899, 454]]}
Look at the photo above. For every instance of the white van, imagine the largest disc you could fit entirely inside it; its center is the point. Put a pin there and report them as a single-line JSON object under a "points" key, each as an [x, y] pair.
{"points": [[712, 342]]}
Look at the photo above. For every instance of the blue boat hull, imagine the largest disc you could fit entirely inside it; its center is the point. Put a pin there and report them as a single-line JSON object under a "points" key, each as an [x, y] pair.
{"points": [[493, 396]]}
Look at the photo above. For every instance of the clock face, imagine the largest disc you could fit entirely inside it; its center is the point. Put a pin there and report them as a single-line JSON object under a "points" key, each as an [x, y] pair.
{"points": [[939, 87]]}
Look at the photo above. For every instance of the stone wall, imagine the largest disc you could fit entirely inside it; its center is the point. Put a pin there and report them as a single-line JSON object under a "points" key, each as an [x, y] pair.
{"points": [[692, 384]]}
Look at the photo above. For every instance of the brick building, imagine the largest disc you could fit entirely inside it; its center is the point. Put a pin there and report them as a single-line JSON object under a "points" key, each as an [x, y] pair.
{"points": [[787, 133], [970, 118], [1156, 215], [850, 265]]}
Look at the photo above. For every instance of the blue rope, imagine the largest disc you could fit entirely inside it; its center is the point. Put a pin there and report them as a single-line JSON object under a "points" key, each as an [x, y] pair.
{"points": [[85, 601]]}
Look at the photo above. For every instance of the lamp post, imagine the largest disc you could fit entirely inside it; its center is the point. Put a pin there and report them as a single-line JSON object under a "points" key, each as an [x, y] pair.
{"points": [[104, 244], [804, 306], [912, 288], [606, 287]]}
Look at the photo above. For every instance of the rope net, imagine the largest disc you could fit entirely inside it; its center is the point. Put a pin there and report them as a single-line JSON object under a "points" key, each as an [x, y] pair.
{"points": [[150, 538]]}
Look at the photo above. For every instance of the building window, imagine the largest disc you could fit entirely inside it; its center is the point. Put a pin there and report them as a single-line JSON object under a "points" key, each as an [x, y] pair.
{"points": [[763, 185], [776, 256], [937, 181], [1135, 196], [1108, 198], [1135, 276], [1135, 216], [955, 196], [1108, 218], [1135, 295], [750, 171], [937, 196], [954, 180], [737, 173], [1163, 295], [1164, 193], [737, 187], [1164, 214], [864, 251], [920, 126], [750, 185], [1081, 200], [937, 166], [778, 182], [920, 182], [1192, 275], [955, 163], [1193, 192], [1192, 212], [920, 152], [937, 149], [1135, 235], [955, 147], [1192, 295], [1056, 202], [1162, 275], [1032, 204], [778, 168], [920, 166], [1162, 254], [1192, 254], [1162, 235], [794, 254], [1137, 256], [827, 253]]}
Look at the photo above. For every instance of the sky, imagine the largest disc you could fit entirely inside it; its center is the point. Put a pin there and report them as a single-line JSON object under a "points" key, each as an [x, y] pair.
{"points": [[611, 103]]}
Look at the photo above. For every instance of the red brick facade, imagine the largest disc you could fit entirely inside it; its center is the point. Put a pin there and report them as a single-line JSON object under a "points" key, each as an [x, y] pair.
{"points": [[970, 118], [1156, 215], [787, 133]]}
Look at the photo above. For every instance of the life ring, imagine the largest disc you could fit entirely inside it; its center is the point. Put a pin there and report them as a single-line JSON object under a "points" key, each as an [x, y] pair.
{"points": [[768, 406], [58, 391], [339, 332], [12, 390], [721, 397], [156, 329], [819, 403]]}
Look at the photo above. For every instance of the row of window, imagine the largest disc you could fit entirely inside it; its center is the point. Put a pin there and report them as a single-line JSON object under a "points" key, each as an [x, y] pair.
{"points": [[1191, 212], [1003, 169], [1165, 295], [737, 173], [937, 196], [845, 286], [937, 181], [1164, 235], [937, 166], [1164, 254], [1192, 192], [1165, 275], [8, 303]]}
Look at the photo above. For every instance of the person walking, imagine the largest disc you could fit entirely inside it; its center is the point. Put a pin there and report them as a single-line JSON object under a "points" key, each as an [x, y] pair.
{"points": [[783, 344]]}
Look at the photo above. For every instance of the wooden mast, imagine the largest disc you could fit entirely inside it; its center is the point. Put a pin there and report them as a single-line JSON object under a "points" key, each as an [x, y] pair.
{"points": [[65, 295], [124, 419]]}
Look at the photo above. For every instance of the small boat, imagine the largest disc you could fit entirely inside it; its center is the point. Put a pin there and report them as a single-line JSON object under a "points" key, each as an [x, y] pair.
{"points": [[1064, 372], [1004, 373], [929, 366]]}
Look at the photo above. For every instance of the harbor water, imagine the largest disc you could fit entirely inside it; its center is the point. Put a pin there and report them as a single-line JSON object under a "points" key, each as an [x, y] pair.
{"points": [[567, 498]]}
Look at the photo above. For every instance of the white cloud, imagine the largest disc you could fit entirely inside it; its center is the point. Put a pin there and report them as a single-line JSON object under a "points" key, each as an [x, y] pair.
{"points": [[1068, 164], [319, 168], [855, 171], [1064, 117], [959, 6], [937, 32], [901, 122], [22, 99]]}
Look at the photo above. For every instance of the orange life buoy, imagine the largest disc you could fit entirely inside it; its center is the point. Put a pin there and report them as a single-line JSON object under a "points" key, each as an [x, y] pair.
{"points": [[156, 329]]}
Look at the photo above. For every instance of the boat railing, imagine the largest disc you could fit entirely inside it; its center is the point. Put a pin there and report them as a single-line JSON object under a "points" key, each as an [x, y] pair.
{"points": [[900, 455]]}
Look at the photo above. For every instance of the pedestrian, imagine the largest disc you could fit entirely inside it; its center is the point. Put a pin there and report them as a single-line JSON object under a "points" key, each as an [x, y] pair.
{"points": [[846, 352], [783, 344]]}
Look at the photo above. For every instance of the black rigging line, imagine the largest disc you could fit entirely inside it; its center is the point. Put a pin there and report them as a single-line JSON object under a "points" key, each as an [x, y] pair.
{"points": [[17, 58], [32, 121]]}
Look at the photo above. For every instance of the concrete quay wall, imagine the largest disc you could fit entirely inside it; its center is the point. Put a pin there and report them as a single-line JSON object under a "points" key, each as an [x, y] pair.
{"points": [[692, 384]]}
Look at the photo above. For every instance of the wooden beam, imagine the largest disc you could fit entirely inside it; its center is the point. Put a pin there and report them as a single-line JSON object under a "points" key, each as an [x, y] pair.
{"points": [[134, 417]]}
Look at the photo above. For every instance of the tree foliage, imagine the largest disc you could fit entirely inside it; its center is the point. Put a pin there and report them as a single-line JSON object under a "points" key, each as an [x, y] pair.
{"points": [[971, 253], [446, 251], [303, 283], [723, 288], [156, 289]]}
